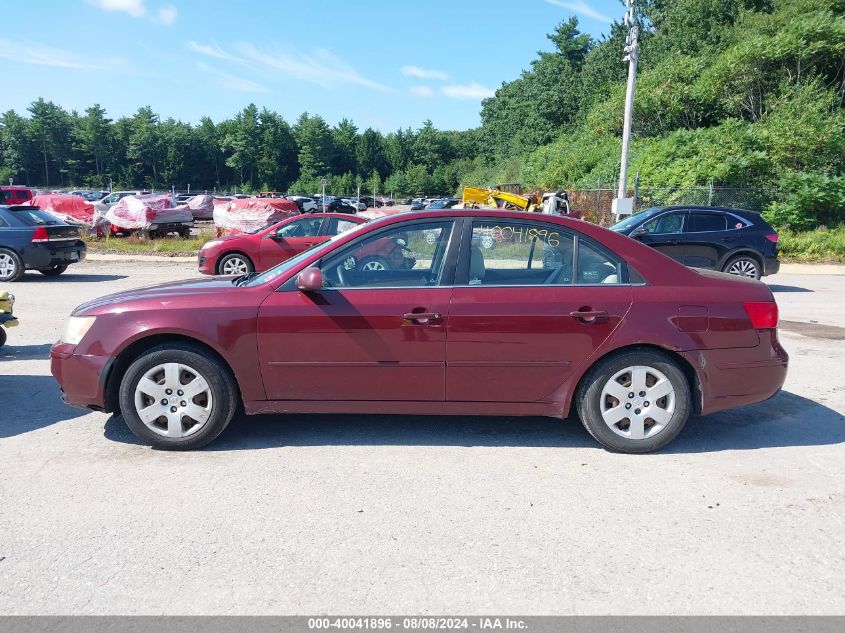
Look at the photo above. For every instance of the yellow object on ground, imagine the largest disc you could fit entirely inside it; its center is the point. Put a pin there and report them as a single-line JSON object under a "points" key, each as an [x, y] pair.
{"points": [[477, 196]]}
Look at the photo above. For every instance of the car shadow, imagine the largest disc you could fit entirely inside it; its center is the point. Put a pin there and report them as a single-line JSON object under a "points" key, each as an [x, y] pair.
{"points": [[35, 277], [25, 352], [785, 420], [29, 403], [780, 288]]}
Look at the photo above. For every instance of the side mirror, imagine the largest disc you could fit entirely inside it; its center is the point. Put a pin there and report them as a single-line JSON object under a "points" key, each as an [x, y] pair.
{"points": [[639, 232], [310, 280]]}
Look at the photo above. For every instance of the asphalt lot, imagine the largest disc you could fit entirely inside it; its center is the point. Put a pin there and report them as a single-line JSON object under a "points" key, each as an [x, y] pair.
{"points": [[743, 514]]}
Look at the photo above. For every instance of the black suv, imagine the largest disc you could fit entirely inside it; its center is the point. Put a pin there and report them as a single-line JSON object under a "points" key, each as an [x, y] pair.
{"points": [[32, 239], [730, 240]]}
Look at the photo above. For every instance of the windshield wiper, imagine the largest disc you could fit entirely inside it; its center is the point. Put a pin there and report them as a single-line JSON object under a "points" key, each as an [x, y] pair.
{"points": [[240, 281]]}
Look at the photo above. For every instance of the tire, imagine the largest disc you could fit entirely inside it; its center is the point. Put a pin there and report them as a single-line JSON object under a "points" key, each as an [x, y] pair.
{"points": [[743, 266], [53, 271], [235, 264], [11, 265], [600, 404], [2, 336], [374, 263], [212, 407]]}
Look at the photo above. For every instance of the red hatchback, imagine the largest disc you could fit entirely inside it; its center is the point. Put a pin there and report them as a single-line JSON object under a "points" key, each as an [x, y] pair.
{"points": [[239, 254], [552, 316]]}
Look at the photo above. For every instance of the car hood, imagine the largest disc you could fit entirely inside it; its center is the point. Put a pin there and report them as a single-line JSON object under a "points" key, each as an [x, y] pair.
{"points": [[155, 296]]}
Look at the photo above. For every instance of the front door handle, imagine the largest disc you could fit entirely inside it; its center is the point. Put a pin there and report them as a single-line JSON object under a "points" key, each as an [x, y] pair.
{"points": [[422, 318], [585, 315]]}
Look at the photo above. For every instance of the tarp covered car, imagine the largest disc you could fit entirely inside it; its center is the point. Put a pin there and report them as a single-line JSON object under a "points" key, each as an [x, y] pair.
{"points": [[68, 208], [202, 207], [245, 215], [153, 214]]}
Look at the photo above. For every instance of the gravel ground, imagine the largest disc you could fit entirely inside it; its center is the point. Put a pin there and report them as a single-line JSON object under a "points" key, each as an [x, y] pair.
{"points": [[743, 514]]}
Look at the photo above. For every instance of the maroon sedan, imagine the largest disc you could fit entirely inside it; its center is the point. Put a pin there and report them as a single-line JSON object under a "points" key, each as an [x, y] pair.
{"points": [[239, 254], [553, 316]]}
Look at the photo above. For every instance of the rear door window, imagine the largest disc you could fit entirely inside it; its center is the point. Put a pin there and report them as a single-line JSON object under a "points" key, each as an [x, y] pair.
{"points": [[706, 222]]}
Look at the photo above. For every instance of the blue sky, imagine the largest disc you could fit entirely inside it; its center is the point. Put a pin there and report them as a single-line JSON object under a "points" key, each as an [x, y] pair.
{"points": [[383, 63]]}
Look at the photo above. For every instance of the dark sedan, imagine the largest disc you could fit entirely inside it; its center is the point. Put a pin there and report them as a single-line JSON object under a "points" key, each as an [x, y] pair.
{"points": [[561, 317], [729, 240], [31, 239]]}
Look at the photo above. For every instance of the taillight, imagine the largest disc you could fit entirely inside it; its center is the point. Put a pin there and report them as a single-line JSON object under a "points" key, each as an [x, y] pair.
{"points": [[40, 235], [773, 238], [763, 314]]}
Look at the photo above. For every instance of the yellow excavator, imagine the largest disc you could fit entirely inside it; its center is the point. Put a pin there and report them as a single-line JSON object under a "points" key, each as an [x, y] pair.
{"points": [[498, 197]]}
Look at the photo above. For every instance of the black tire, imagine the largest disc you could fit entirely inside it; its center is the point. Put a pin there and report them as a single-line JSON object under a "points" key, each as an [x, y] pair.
{"points": [[231, 257], [588, 401], [2, 336], [53, 271], [374, 262], [13, 268], [744, 266], [223, 403]]}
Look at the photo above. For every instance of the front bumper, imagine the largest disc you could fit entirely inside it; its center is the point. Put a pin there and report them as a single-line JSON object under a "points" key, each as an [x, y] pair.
{"points": [[206, 265], [82, 378]]}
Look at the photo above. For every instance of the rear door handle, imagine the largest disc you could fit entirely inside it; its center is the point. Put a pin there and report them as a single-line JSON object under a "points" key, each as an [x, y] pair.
{"points": [[422, 318], [590, 316]]}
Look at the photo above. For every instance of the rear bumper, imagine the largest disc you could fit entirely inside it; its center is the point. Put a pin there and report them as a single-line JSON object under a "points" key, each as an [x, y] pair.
{"points": [[81, 377], [50, 254], [771, 265], [735, 377]]}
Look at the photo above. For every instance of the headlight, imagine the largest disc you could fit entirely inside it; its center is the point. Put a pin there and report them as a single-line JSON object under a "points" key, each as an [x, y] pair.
{"points": [[76, 328], [211, 243], [153, 226]]}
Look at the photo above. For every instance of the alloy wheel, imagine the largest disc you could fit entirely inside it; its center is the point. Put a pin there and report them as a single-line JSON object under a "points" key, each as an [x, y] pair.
{"points": [[235, 266], [637, 402], [743, 268], [8, 267], [173, 400], [373, 265]]}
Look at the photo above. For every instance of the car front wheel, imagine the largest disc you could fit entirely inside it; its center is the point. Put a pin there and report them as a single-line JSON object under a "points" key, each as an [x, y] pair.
{"points": [[743, 266], [177, 397], [235, 264], [634, 402]]}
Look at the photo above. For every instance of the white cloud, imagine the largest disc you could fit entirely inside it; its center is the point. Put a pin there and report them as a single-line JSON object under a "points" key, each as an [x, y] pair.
{"points": [[135, 8], [167, 15], [421, 91], [580, 7], [322, 67], [232, 82], [212, 50], [422, 73], [32, 52], [473, 91]]}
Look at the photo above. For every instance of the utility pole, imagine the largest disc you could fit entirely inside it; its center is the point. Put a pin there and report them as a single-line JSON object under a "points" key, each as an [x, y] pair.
{"points": [[622, 205]]}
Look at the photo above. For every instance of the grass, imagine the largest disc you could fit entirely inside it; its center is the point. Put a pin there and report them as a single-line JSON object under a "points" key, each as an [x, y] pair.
{"points": [[819, 246], [171, 245]]}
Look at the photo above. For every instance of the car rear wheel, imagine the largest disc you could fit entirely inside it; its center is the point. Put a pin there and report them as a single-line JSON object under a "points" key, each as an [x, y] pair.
{"points": [[743, 266], [11, 265], [235, 264], [2, 336], [53, 271], [177, 397], [634, 402]]}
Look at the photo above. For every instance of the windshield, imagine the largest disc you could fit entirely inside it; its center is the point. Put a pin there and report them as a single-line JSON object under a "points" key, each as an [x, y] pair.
{"points": [[293, 262], [633, 220]]}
